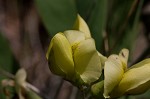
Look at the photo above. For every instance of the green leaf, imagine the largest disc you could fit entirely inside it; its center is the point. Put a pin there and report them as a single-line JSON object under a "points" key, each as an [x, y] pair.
{"points": [[57, 15], [117, 18], [132, 29], [123, 21], [84, 8], [6, 59], [97, 22]]}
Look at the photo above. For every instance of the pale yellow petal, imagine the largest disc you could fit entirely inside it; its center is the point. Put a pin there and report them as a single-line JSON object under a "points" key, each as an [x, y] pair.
{"points": [[81, 25], [136, 79], [49, 50], [140, 89], [93, 70], [20, 77], [63, 53], [145, 61], [74, 36], [113, 73], [123, 55], [87, 62], [102, 58]]}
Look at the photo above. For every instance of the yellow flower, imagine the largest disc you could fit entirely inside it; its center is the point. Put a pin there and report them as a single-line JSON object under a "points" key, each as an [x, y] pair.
{"points": [[121, 80], [73, 55]]}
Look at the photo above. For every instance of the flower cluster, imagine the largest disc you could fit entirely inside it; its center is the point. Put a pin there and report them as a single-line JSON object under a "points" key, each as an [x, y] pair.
{"points": [[72, 55]]}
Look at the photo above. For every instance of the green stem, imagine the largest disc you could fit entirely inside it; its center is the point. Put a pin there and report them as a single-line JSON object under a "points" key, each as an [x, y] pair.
{"points": [[82, 89], [6, 74], [83, 94], [126, 97]]}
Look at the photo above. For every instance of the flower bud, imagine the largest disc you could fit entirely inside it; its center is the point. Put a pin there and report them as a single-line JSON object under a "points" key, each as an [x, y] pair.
{"points": [[73, 55]]}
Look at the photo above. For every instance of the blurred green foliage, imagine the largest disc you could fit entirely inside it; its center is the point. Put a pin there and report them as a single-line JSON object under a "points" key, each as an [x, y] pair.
{"points": [[57, 15], [94, 13], [122, 26], [116, 19], [6, 61]]}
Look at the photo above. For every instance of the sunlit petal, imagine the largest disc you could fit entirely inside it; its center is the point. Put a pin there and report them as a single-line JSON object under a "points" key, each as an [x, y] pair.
{"points": [[74, 36], [87, 62], [102, 58]]}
